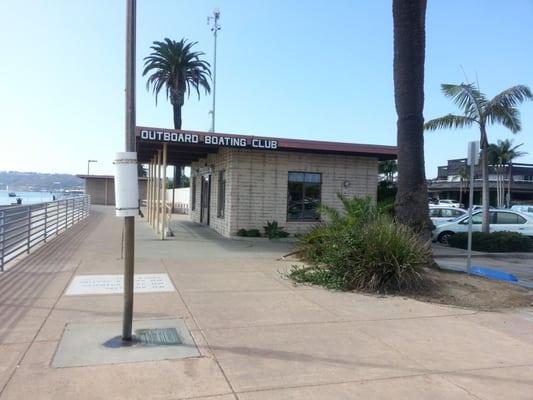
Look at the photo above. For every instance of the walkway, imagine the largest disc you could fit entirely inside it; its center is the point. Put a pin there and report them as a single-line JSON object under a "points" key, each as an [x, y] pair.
{"points": [[260, 337]]}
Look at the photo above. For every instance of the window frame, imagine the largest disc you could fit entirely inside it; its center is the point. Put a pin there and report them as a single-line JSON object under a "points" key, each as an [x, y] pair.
{"points": [[302, 219]]}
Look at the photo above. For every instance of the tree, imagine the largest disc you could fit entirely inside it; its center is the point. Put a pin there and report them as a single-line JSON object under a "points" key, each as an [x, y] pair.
{"points": [[176, 67], [480, 111], [500, 156], [388, 168], [141, 170], [411, 205]]}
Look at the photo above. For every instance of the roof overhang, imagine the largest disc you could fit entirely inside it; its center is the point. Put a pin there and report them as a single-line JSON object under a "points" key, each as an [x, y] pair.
{"points": [[184, 147]]}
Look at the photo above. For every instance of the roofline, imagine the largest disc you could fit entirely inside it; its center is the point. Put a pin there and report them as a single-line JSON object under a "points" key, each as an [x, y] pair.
{"points": [[300, 145]]}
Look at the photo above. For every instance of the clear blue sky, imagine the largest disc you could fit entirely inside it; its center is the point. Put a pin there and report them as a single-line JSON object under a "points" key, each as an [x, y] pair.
{"points": [[312, 70]]}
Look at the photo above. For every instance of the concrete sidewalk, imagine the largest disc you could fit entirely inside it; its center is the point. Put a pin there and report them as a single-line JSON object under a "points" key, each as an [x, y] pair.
{"points": [[260, 337]]}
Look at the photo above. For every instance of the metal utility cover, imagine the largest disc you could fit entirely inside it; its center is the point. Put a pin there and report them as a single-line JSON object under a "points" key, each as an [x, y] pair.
{"points": [[100, 343]]}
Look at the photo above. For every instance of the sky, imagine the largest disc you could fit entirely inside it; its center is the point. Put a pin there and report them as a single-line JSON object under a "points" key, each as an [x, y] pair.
{"points": [[312, 69]]}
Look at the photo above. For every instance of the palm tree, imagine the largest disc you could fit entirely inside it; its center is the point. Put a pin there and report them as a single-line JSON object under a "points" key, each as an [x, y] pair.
{"points": [[500, 156], [176, 67], [480, 111], [411, 204]]}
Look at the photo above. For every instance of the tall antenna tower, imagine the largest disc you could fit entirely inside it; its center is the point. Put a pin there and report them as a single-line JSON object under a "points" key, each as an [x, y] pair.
{"points": [[215, 27]]}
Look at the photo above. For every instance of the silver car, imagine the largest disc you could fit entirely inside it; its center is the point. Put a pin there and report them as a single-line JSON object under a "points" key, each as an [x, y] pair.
{"points": [[441, 214], [500, 220]]}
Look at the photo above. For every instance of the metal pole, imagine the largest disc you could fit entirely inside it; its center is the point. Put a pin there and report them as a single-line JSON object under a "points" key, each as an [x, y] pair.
{"points": [[164, 194], [215, 28], [129, 222], [472, 158]]}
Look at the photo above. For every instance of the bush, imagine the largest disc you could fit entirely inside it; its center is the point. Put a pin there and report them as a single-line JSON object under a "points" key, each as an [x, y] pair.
{"points": [[249, 232], [493, 242], [362, 248], [274, 231]]}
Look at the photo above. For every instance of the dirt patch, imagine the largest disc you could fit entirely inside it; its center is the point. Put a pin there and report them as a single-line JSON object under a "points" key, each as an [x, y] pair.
{"points": [[460, 289]]}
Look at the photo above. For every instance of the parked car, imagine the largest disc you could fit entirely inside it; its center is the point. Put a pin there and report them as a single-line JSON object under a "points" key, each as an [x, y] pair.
{"points": [[450, 203], [441, 214], [523, 208], [476, 207], [499, 220]]}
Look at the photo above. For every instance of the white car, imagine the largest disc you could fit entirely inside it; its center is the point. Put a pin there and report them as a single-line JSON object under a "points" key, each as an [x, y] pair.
{"points": [[441, 214], [523, 208], [449, 203], [500, 220]]}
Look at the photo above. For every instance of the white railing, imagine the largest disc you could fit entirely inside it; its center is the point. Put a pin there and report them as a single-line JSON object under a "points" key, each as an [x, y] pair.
{"points": [[25, 226]]}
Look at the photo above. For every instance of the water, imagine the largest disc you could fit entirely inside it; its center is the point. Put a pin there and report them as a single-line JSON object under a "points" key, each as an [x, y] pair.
{"points": [[28, 197]]}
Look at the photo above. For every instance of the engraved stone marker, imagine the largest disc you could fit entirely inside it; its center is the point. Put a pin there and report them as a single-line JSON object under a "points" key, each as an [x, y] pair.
{"points": [[114, 284]]}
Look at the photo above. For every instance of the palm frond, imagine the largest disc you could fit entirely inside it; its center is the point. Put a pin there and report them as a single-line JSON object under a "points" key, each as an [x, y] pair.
{"points": [[507, 116], [175, 66], [449, 121], [513, 96], [467, 97]]}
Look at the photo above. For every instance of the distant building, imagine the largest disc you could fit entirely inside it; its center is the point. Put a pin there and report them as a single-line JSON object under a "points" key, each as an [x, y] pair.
{"points": [[451, 180], [101, 188]]}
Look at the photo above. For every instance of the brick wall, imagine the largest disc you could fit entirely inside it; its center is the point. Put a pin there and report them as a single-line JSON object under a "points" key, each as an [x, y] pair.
{"points": [[256, 185]]}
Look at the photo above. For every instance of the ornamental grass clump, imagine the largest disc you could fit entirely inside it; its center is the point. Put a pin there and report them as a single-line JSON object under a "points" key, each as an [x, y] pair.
{"points": [[362, 248]]}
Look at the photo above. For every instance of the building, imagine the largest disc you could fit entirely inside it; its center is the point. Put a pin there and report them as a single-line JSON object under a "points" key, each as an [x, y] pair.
{"points": [[101, 188], [241, 182], [452, 182]]}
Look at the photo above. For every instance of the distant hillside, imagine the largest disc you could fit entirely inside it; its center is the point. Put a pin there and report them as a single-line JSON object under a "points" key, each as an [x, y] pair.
{"points": [[28, 181]]}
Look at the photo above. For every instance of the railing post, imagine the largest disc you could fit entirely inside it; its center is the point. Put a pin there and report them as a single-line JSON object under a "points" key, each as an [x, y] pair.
{"points": [[2, 242], [66, 214], [29, 228], [57, 217], [45, 221]]}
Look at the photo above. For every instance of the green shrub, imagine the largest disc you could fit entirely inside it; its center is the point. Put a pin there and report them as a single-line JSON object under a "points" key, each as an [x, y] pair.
{"points": [[274, 231], [362, 248], [249, 233], [493, 242]]}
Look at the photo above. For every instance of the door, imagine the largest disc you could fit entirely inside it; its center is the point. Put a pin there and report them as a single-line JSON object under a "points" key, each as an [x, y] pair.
{"points": [[205, 198]]}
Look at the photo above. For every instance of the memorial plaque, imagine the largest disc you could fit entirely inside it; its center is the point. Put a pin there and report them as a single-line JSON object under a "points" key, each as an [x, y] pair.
{"points": [[158, 337], [114, 284]]}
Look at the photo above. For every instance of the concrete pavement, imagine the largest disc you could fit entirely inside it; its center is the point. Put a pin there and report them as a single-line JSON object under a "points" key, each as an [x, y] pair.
{"points": [[518, 264], [260, 336]]}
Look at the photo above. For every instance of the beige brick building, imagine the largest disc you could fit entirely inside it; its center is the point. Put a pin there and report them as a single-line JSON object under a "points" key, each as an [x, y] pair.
{"points": [[241, 182], [256, 185]]}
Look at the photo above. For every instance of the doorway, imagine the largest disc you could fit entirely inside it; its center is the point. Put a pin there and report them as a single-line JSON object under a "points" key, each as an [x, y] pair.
{"points": [[205, 199]]}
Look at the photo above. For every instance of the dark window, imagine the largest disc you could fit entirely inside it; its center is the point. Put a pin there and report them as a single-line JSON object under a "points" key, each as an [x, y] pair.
{"points": [[221, 194], [304, 192], [193, 193], [509, 218]]}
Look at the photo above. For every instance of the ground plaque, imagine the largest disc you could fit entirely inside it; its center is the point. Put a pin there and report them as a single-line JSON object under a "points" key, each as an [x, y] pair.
{"points": [[114, 284]]}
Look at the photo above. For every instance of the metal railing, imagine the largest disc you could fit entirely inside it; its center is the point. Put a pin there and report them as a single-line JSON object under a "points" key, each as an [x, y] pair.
{"points": [[24, 227]]}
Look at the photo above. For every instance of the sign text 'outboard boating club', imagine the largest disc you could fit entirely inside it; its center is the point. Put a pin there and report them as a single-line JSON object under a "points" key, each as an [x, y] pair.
{"points": [[216, 140]]}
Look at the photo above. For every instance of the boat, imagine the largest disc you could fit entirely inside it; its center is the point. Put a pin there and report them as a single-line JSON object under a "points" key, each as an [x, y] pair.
{"points": [[12, 194]]}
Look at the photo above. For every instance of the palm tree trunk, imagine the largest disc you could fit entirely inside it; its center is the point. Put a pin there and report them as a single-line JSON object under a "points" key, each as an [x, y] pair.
{"points": [[411, 203], [176, 108], [461, 191], [509, 184], [485, 173]]}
